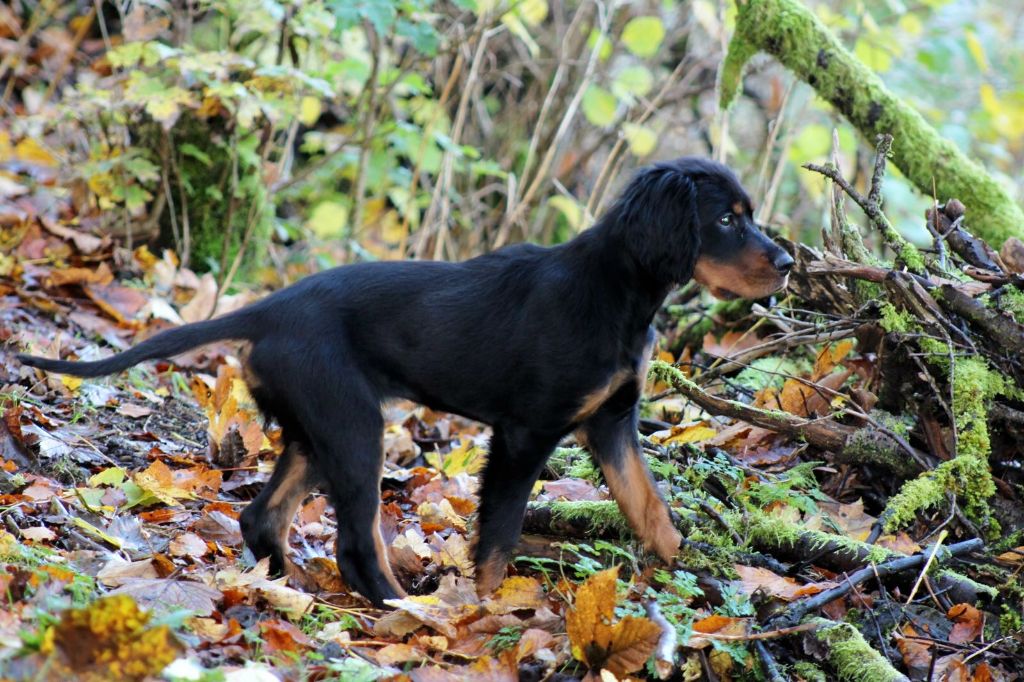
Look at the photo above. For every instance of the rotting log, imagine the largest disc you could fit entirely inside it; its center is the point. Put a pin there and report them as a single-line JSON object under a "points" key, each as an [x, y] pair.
{"points": [[790, 32]]}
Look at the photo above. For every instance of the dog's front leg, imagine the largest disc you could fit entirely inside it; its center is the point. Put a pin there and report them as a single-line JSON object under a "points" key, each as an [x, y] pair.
{"points": [[514, 463], [611, 438]]}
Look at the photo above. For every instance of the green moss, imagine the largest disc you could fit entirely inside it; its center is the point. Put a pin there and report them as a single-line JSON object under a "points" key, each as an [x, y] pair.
{"points": [[791, 33], [806, 670], [769, 530], [894, 320], [852, 657], [910, 256], [1010, 620], [1012, 301], [953, 576], [603, 516]]}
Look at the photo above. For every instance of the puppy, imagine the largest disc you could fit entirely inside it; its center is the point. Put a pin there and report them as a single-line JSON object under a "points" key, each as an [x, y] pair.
{"points": [[535, 342]]}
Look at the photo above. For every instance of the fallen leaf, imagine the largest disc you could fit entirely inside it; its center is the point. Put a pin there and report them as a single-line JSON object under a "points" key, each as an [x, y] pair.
{"points": [[753, 578], [621, 648], [916, 653], [282, 636], [163, 595], [731, 345], [38, 534], [188, 544], [968, 623], [726, 626], [850, 518], [106, 640], [515, 593]]}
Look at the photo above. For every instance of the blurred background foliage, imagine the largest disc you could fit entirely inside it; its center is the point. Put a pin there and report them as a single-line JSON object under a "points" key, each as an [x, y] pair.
{"points": [[263, 139]]}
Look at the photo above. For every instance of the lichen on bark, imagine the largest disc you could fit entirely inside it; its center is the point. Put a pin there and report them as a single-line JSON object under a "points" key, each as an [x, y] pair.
{"points": [[791, 33]]}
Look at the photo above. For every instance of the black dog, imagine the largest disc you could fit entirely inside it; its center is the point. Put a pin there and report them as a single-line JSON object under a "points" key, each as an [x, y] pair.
{"points": [[536, 342]]}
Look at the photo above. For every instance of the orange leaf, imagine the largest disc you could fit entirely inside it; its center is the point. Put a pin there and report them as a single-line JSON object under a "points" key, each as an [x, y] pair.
{"points": [[754, 578], [830, 356], [968, 623], [589, 622], [916, 653], [280, 635], [633, 641], [731, 345]]}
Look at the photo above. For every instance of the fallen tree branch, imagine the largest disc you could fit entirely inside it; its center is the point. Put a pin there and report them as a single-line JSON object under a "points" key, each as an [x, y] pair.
{"points": [[798, 609]]}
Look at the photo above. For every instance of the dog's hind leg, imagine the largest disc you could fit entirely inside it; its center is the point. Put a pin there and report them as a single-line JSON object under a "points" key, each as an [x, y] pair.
{"points": [[514, 463], [339, 415], [610, 435], [265, 522]]}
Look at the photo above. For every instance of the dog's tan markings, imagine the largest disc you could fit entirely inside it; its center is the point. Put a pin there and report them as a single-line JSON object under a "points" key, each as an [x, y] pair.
{"points": [[293, 487], [596, 398], [750, 274], [489, 574], [382, 556], [633, 488], [738, 208]]}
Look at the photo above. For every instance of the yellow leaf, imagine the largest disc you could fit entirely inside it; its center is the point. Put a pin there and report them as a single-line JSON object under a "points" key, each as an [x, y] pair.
{"points": [[977, 50], [309, 110], [31, 151], [621, 648], [570, 208], [111, 639], [684, 434], [70, 382], [465, 458], [96, 532]]}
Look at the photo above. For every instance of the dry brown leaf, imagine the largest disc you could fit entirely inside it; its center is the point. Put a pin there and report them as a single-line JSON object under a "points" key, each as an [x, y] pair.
{"points": [[188, 544], [282, 636], [850, 518], [165, 595], [454, 603], [917, 655], [716, 625], [1012, 255], [753, 578], [1014, 557], [968, 623], [731, 345], [516, 592]]}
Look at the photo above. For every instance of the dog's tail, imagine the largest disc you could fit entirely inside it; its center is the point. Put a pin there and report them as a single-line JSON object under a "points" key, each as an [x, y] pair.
{"points": [[238, 325]]}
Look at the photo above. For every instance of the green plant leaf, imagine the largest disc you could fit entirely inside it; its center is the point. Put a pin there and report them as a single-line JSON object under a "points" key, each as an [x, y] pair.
{"points": [[633, 81], [570, 208], [599, 106], [643, 35], [641, 139]]}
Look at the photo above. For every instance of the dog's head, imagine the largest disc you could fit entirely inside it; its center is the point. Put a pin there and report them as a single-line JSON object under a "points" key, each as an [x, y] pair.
{"points": [[691, 219]]}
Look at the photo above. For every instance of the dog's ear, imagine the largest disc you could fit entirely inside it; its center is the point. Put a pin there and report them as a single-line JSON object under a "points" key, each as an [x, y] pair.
{"points": [[658, 213]]}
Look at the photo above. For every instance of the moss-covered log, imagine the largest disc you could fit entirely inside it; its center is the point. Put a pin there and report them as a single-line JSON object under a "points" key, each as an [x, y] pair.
{"points": [[791, 33]]}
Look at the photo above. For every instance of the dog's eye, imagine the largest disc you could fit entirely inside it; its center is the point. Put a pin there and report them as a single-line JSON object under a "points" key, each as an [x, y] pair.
{"points": [[726, 220]]}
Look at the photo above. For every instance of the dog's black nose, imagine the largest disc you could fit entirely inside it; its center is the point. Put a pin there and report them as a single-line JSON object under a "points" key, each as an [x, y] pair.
{"points": [[783, 262]]}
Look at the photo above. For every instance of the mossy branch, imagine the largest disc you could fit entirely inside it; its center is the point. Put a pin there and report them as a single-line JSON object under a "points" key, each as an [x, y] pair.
{"points": [[852, 657], [791, 33]]}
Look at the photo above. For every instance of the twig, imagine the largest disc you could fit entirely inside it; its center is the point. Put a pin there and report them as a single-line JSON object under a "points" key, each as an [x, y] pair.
{"points": [[665, 654], [797, 610], [871, 207], [931, 558], [771, 668]]}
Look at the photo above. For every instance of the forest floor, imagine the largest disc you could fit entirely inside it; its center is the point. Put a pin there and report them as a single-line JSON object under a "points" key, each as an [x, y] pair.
{"points": [[123, 557]]}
